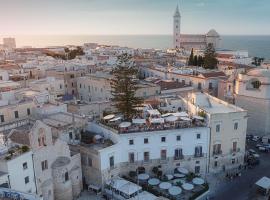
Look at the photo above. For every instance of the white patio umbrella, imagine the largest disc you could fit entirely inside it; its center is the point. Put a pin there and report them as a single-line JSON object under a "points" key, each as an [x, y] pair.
{"points": [[165, 185], [179, 175], [185, 118], [198, 181], [187, 186], [169, 176], [180, 114], [107, 117], [175, 190], [153, 181], [182, 170], [171, 119], [114, 119], [143, 177], [124, 124]]}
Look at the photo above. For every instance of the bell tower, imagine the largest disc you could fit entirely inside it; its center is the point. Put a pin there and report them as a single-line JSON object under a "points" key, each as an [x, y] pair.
{"points": [[176, 28]]}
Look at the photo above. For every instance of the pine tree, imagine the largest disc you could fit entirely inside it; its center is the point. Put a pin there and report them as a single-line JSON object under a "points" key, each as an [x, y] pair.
{"points": [[124, 86], [200, 61], [195, 60], [191, 57], [210, 61]]}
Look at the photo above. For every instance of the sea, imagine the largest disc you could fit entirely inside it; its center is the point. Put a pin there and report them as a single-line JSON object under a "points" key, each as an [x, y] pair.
{"points": [[256, 45]]}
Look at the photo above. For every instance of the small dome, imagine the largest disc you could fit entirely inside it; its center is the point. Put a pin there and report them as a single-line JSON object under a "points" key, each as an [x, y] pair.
{"points": [[212, 33], [259, 73]]}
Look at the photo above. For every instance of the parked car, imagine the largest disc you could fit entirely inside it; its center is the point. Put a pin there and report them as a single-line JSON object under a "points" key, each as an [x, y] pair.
{"points": [[263, 149], [251, 151], [259, 145], [255, 138]]}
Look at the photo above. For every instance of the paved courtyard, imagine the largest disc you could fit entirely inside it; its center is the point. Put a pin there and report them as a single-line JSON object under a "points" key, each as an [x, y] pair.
{"points": [[242, 188]]}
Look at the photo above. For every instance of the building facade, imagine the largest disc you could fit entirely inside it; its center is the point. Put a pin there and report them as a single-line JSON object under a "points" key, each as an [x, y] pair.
{"points": [[252, 92]]}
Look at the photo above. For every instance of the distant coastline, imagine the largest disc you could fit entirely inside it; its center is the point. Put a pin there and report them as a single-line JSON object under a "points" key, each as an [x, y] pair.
{"points": [[257, 45]]}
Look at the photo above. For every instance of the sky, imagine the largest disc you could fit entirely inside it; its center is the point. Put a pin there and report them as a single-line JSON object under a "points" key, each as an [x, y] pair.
{"points": [[121, 17]]}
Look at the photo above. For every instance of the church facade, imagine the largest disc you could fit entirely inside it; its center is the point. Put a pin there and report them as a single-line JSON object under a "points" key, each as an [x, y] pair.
{"points": [[189, 41]]}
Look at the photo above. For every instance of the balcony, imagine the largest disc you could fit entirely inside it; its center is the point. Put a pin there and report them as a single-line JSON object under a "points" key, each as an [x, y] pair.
{"points": [[216, 153], [198, 155], [180, 157], [235, 150]]}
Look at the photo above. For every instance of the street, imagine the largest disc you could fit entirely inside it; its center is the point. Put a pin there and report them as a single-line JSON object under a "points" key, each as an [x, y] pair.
{"points": [[242, 188]]}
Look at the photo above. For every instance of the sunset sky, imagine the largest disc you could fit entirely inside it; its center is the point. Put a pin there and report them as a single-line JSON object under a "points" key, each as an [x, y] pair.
{"points": [[132, 16]]}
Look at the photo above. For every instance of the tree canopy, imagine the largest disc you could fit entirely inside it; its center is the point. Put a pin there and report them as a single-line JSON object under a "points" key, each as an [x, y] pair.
{"points": [[210, 61], [124, 86]]}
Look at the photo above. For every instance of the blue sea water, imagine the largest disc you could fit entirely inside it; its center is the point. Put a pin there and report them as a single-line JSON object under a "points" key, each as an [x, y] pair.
{"points": [[256, 45]]}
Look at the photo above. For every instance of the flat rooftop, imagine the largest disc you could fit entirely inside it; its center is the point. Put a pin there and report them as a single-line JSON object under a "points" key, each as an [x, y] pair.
{"points": [[213, 105]]}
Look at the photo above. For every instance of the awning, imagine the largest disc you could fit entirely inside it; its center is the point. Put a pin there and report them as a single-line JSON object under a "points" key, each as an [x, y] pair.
{"points": [[138, 121], [185, 118], [171, 119], [264, 182], [180, 114], [157, 120]]}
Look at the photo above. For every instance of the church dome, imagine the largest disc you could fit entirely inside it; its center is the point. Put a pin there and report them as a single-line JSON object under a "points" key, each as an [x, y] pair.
{"points": [[259, 73], [212, 33]]}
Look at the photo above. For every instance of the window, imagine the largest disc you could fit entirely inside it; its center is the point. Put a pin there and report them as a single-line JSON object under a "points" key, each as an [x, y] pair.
{"points": [[25, 165], [199, 86], [131, 142], [2, 118], [111, 161], [210, 87], [233, 161], [66, 177], [26, 179], [198, 151], [70, 135], [131, 157], [198, 136], [218, 128], [90, 162], [28, 111], [178, 137], [197, 169], [234, 146], [60, 86], [215, 163], [145, 140], [44, 165], [146, 156], [217, 149], [178, 154], [235, 126], [16, 113], [163, 139], [80, 85], [163, 154]]}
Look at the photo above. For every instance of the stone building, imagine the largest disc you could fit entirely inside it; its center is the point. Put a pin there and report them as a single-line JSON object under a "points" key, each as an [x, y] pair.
{"points": [[253, 94]]}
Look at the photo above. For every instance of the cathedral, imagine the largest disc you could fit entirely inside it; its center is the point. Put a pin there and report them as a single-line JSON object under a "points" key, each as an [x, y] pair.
{"points": [[189, 41]]}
